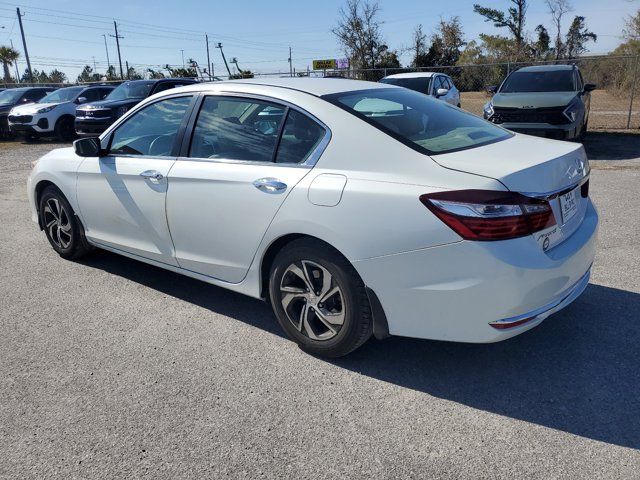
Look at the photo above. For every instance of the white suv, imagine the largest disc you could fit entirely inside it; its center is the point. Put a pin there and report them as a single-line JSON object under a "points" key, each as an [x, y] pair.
{"points": [[438, 85], [54, 114]]}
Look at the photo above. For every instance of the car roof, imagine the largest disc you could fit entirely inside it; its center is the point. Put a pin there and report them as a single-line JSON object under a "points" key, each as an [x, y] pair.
{"points": [[414, 75], [312, 86], [546, 68]]}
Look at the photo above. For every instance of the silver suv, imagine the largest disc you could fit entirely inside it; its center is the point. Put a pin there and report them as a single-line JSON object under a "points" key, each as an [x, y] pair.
{"points": [[546, 100]]}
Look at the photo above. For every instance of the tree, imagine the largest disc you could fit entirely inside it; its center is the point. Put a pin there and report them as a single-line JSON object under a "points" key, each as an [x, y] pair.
{"points": [[155, 73], [541, 47], [111, 74], [132, 74], [557, 9], [359, 33], [181, 72], [8, 55], [419, 47], [56, 76], [87, 75], [446, 44], [513, 19], [577, 36], [632, 27]]}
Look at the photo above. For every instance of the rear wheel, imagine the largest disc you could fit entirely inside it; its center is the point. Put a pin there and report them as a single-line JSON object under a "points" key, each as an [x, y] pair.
{"points": [[65, 129], [319, 299], [61, 226], [583, 133]]}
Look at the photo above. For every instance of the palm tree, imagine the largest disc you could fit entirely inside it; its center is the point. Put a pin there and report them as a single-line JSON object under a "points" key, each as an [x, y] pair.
{"points": [[8, 55]]}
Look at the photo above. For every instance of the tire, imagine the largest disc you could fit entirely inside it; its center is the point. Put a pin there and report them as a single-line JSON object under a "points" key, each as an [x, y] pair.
{"points": [[583, 133], [65, 129], [331, 324], [61, 225]]}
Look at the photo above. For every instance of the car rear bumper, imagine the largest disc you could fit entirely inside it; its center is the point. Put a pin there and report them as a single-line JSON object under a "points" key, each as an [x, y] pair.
{"points": [[461, 291]]}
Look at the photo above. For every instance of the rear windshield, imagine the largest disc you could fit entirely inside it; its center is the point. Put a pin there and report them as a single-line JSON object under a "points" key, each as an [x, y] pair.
{"points": [[421, 122], [420, 84], [555, 81]]}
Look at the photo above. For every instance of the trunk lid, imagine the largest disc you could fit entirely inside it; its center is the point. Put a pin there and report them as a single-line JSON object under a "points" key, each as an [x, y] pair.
{"points": [[523, 163]]}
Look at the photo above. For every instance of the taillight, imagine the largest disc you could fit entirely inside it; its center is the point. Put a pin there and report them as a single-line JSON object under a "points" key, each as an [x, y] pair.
{"points": [[489, 215]]}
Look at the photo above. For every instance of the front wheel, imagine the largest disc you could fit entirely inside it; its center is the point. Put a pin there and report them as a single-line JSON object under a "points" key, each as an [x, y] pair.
{"points": [[61, 226], [319, 299]]}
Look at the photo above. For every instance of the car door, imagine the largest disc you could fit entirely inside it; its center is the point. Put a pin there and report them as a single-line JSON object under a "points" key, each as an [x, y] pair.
{"points": [[244, 157], [453, 97], [122, 195]]}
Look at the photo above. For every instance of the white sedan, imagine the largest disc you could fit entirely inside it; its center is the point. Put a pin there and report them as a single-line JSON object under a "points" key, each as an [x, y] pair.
{"points": [[355, 208]]}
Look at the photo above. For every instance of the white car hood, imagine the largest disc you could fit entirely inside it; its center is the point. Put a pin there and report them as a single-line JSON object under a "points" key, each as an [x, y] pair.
{"points": [[523, 163], [31, 108]]}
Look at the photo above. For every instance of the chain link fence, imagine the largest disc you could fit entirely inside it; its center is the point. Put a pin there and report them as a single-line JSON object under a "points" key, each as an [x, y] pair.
{"points": [[615, 104]]}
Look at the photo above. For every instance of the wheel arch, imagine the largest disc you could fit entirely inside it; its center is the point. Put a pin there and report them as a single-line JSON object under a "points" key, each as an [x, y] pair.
{"points": [[380, 324]]}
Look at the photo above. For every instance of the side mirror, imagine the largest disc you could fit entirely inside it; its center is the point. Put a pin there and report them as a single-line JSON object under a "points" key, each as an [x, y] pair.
{"points": [[589, 87], [492, 89], [88, 147], [441, 92], [81, 100]]}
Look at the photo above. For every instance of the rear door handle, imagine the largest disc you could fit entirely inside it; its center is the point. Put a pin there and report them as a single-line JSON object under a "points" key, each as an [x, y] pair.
{"points": [[270, 185], [152, 175]]}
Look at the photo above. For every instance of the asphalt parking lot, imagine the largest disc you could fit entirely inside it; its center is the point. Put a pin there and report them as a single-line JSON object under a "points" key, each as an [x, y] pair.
{"points": [[115, 369]]}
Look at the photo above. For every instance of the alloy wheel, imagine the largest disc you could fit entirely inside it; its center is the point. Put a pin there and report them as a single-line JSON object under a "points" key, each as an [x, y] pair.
{"points": [[312, 300], [57, 223]]}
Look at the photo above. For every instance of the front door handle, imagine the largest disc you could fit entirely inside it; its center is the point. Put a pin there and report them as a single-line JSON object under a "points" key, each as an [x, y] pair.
{"points": [[152, 175], [270, 185]]}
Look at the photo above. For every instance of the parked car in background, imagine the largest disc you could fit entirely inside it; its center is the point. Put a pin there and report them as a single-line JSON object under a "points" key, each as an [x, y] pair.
{"points": [[546, 100], [11, 97], [437, 85], [54, 115], [440, 225], [94, 118]]}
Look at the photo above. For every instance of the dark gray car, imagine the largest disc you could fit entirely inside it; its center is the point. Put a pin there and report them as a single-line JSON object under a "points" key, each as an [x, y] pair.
{"points": [[545, 100]]}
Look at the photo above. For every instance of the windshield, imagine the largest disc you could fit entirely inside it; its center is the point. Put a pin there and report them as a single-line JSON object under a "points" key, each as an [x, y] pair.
{"points": [[421, 122], [419, 84], [551, 81], [10, 96], [131, 90], [62, 95]]}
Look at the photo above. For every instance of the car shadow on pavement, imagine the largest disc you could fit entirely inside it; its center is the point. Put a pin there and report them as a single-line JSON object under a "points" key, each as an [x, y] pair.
{"points": [[579, 371], [216, 299], [612, 145]]}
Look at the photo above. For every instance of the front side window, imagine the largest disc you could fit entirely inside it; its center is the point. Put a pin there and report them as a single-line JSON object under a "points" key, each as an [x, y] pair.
{"points": [[152, 130], [300, 137], [420, 122], [237, 129], [10, 96], [540, 81]]}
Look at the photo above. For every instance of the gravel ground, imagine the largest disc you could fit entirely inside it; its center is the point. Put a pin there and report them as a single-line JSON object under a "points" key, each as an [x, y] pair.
{"points": [[114, 369]]}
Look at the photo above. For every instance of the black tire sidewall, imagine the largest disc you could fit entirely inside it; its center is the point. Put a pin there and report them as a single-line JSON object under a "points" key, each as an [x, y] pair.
{"points": [[59, 129], [347, 338], [71, 250]]}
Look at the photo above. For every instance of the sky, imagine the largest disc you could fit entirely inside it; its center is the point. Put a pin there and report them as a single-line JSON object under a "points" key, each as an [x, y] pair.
{"points": [[68, 34]]}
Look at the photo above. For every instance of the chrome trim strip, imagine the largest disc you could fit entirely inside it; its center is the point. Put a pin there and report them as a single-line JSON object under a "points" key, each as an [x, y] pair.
{"points": [[554, 193], [565, 298]]}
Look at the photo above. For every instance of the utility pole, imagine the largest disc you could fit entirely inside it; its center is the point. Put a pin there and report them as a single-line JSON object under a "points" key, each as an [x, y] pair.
{"points": [[206, 39], [127, 64], [15, 64], [290, 64], [106, 50], [224, 58], [24, 44], [94, 63], [118, 37], [213, 73], [182, 52]]}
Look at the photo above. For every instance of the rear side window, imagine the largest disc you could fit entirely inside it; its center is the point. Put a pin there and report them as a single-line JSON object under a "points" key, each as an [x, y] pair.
{"points": [[420, 122], [300, 137], [152, 130], [419, 84], [237, 129]]}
